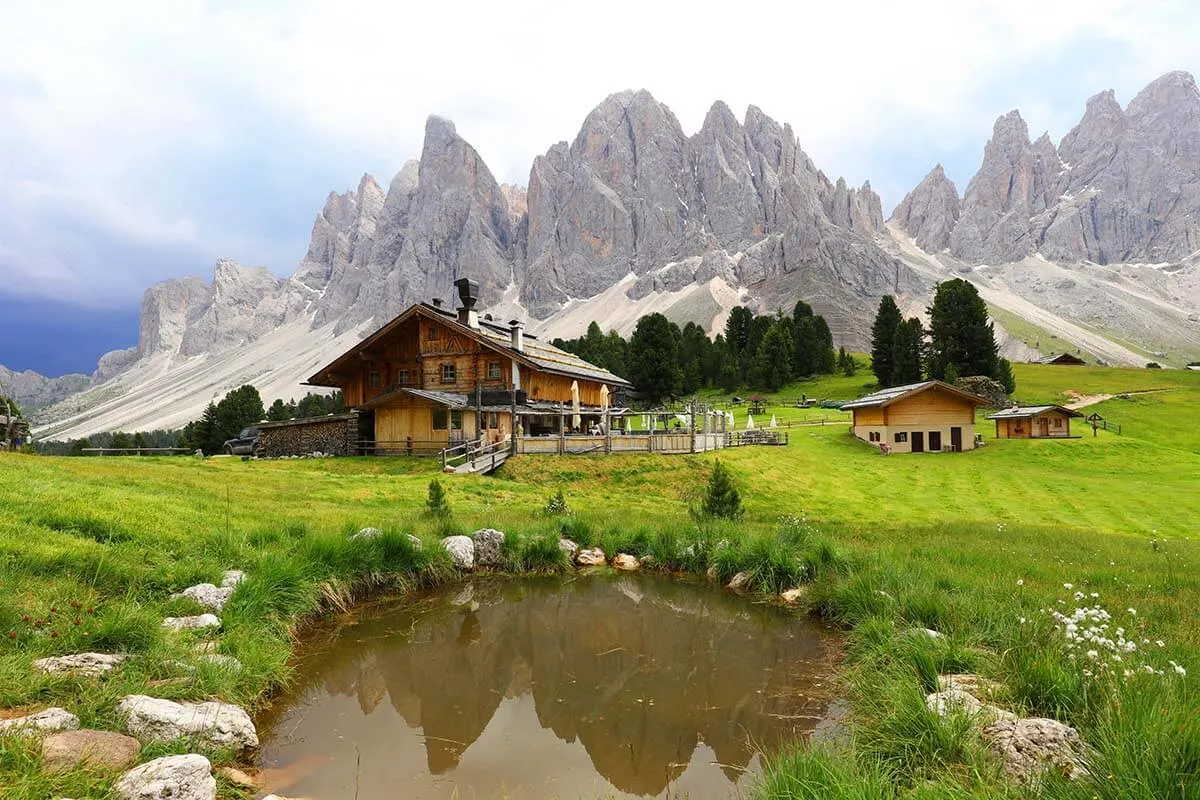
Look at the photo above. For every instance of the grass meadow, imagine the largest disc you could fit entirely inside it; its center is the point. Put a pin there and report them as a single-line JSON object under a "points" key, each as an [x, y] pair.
{"points": [[975, 545]]}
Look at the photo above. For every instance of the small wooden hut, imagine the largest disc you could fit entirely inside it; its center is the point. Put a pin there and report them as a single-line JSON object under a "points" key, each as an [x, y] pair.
{"points": [[1034, 422]]}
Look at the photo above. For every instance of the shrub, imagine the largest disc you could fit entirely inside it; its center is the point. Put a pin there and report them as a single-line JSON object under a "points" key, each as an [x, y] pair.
{"points": [[557, 506], [721, 499], [435, 503]]}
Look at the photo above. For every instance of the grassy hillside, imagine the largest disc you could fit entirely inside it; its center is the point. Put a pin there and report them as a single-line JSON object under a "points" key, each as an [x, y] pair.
{"points": [[970, 544]]}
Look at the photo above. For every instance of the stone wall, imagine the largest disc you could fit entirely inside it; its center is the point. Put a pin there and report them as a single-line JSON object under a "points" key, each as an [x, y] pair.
{"points": [[333, 435]]}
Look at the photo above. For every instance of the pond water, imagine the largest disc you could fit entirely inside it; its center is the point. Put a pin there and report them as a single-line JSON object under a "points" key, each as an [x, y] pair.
{"points": [[581, 686]]}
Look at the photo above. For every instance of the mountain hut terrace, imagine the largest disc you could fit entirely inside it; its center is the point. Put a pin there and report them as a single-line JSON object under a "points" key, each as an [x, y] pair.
{"points": [[434, 380]]}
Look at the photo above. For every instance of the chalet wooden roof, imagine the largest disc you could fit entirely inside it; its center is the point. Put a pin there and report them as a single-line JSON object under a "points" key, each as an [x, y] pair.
{"points": [[1061, 358], [1027, 412], [536, 354], [886, 397]]}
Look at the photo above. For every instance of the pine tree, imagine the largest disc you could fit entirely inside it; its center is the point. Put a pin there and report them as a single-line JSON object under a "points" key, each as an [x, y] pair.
{"points": [[883, 332], [435, 501], [721, 499], [1004, 374], [772, 367], [906, 352], [826, 356], [278, 412], [845, 363], [959, 332], [654, 359]]}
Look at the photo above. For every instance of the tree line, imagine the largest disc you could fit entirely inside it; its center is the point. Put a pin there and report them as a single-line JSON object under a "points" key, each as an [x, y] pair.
{"points": [[756, 351], [959, 342], [241, 408]]}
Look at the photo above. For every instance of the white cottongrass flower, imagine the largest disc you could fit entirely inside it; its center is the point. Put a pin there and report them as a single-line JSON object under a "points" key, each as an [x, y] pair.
{"points": [[1020, 581], [1094, 595], [1159, 642], [1092, 654], [1068, 586], [1178, 669], [1132, 612]]}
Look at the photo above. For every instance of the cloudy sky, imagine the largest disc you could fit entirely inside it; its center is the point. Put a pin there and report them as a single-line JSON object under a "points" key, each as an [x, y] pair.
{"points": [[141, 141]]}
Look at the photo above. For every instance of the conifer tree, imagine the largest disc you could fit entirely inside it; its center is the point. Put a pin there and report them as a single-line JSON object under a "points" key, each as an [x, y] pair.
{"points": [[959, 332], [721, 499], [654, 359], [883, 332], [906, 353]]}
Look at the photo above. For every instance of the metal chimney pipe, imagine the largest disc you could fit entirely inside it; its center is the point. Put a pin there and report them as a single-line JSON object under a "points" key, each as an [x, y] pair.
{"points": [[518, 335]]}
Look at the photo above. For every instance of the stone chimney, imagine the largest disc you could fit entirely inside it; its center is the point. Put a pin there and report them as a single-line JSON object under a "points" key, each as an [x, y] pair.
{"points": [[468, 295], [518, 335]]}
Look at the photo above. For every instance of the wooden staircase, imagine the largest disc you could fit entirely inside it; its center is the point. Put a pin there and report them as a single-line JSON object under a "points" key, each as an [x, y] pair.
{"points": [[474, 457]]}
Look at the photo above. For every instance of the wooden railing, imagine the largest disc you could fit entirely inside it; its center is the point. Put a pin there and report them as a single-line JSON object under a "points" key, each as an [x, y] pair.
{"points": [[768, 436], [136, 451]]}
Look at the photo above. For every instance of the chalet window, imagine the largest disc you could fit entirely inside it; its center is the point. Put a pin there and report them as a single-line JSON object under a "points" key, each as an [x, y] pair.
{"points": [[403, 377], [456, 420], [902, 437], [873, 436], [493, 371], [1057, 422], [449, 373], [434, 333], [493, 420], [373, 379], [440, 418]]}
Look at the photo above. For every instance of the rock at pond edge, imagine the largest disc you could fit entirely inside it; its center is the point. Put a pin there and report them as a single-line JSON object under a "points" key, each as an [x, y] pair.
{"points": [[461, 550], [48, 720], [590, 557], [105, 750], [86, 664], [489, 547], [187, 777], [215, 724], [626, 562]]}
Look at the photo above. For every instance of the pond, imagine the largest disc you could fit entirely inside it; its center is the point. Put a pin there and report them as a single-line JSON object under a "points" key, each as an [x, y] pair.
{"points": [[581, 686]]}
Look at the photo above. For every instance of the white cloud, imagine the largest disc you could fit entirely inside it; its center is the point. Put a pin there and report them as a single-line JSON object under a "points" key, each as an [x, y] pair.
{"points": [[104, 105]]}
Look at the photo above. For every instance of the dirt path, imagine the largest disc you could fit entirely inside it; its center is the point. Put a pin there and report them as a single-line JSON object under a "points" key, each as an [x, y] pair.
{"points": [[1085, 400]]}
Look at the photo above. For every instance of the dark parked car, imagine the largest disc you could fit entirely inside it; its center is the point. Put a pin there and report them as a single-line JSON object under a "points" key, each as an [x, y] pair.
{"points": [[245, 444]]}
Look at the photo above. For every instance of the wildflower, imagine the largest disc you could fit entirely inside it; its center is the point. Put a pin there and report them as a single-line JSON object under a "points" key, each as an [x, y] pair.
{"points": [[1079, 595], [1182, 672], [1126, 673], [1020, 581], [1147, 668], [1092, 654], [1159, 642], [1116, 658], [1068, 586], [1022, 620], [1094, 595], [1132, 611]]}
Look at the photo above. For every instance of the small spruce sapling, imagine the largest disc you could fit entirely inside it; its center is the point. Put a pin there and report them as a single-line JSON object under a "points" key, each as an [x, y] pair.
{"points": [[435, 503], [557, 506], [721, 499]]}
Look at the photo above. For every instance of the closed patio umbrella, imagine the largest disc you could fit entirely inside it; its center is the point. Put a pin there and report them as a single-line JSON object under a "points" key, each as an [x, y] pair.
{"points": [[749, 422], [575, 420], [774, 424]]}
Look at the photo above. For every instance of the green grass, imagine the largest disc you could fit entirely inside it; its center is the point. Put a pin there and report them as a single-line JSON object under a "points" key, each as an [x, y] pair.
{"points": [[967, 544]]}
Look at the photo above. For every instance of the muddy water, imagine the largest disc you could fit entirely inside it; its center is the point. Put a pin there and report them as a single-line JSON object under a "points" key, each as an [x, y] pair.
{"points": [[595, 686]]}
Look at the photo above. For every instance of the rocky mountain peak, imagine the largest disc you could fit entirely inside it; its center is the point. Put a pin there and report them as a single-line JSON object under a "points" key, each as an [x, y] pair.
{"points": [[930, 211]]}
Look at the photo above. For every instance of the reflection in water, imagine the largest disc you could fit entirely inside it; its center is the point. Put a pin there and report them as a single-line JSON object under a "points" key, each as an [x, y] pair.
{"points": [[554, 687]]}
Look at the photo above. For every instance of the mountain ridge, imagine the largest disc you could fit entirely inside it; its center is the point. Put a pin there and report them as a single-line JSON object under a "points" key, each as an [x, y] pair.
{"points": [[632, 214]]}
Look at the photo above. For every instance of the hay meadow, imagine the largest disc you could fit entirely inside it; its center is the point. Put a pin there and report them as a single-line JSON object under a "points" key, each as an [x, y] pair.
{"points": [[979, 546]]}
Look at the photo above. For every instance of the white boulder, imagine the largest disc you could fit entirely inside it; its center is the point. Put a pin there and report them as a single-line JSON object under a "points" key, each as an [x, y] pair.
{"points": [[1028, 747], [88, 664], [461, 550], [738, 581], [489, 547], [211, 723], [207, 595], [232, 577], [568, 547], [192, 623], [590, 557], [626, 562], [49, 720], [170, 778]]}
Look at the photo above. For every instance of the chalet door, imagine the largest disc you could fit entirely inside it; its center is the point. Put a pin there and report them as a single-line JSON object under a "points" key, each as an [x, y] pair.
{"points": [[935, 441], [956, 439], [918, 441], [1044, 427]]}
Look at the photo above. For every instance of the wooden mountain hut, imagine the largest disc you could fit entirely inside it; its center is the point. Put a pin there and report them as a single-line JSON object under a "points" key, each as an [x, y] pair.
{"points": [[1034, 422], [930, 416], [433, 377]]}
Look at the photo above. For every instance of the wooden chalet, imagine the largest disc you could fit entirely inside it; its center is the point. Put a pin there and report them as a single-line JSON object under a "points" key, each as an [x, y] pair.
{"points": [[931, 416], [432, 378], [1034, 422], [1062, 359]]}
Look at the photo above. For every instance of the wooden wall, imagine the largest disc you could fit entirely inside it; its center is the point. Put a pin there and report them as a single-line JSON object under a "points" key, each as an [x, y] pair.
{"points": [[932, 407], [557, 388], [422, 346]]}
